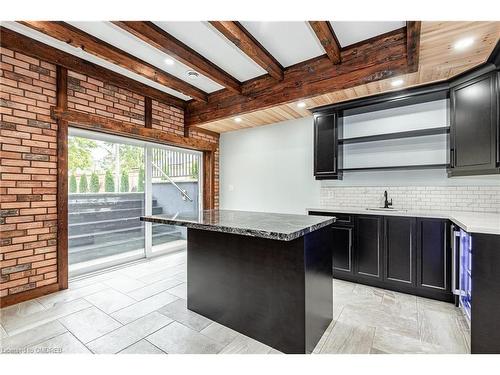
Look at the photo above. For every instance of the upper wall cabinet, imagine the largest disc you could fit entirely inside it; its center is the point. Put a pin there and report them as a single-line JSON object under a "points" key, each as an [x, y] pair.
{"points": [[325, 146], [474, 148]]}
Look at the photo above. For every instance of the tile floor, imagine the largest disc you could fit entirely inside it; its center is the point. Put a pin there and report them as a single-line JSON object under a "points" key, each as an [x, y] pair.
{"points": [[141, 308]]}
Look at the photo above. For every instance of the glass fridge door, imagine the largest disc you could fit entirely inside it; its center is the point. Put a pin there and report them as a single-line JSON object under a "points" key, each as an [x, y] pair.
{"points": [[465, 272]]}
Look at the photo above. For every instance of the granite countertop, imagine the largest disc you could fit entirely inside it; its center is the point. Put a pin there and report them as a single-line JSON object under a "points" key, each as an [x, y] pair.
{"points": [[472, 222], [284, 227]]}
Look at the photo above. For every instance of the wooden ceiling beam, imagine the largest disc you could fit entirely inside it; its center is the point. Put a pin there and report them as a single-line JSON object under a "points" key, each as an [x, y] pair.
{"points": [[413, 44], [77, 38], [242, 39], [380, 58], [328, 40], [153, 35], [23, 44]]}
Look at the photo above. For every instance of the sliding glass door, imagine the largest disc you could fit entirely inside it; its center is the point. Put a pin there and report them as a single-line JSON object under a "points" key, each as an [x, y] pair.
{"points": [[112, 182]]}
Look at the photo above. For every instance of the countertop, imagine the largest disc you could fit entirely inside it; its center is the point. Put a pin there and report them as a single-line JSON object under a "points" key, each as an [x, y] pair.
{"points": [[284, 227], [472, 222]]}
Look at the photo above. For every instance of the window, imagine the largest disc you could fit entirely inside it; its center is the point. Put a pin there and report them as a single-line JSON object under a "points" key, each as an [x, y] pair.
{"points": [[112, 182]]}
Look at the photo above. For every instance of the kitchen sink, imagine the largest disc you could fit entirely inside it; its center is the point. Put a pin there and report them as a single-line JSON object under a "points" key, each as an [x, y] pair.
{"points": [[385, 209]]}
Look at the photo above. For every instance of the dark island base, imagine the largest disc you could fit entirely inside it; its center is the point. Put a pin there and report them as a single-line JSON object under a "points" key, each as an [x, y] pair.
{"points": [[277, 292]]}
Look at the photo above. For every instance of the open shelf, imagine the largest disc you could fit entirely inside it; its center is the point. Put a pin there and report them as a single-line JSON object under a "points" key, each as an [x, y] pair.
{"points": [[396, 167], [406, 134]]}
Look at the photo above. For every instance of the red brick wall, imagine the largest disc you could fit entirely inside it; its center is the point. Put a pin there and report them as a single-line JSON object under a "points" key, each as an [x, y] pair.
{"points": [[28, 160], [90, 95], [28, 167]]}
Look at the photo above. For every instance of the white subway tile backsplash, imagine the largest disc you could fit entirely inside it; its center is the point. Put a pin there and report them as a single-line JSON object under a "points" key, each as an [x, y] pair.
{"points": [[456, 198]]}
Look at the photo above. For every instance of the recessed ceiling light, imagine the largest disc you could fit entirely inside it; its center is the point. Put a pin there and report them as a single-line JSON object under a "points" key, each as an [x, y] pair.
{"points": [[464, 43], [238, 119], [397, 82], [192, 74], [169, 61], [301, 104]]}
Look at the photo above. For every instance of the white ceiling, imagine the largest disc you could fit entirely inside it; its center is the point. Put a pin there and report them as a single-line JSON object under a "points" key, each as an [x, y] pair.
{"points": [[125, 41], [29, 32], [208, 42], [289, 42], [349, 32]]}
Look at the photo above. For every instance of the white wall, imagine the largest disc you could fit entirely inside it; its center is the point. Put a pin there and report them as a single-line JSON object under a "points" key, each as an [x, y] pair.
{"points": [[269, 168]]}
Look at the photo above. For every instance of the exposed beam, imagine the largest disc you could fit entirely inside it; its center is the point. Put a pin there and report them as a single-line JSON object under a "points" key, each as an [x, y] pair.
{"points": [[111, 126], [246, 43], [380, 58], [327, 38], [77, 38], [148, 112], [413, 44], [20, 43], [153, 35]]}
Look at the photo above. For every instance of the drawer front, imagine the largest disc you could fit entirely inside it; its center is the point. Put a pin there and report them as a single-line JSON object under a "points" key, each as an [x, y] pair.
{"points": [[342, 219]]}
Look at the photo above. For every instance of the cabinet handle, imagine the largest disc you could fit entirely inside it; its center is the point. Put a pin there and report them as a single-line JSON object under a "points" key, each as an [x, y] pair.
{"points": [[452, 158]]}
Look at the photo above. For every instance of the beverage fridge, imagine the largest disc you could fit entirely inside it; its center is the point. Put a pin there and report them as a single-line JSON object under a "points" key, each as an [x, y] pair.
{"points": [[462, 270]]}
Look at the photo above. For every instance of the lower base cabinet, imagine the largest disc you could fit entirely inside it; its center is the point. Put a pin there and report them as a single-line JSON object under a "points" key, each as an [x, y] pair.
{"points": [[405, 254]]}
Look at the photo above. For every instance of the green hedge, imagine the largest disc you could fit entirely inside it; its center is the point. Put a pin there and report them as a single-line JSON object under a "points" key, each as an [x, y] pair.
{"points": [[94, 183], [109, 182], [83, 187]]}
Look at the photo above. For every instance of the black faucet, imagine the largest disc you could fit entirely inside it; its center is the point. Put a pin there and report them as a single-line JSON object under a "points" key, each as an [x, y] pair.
{"points": [[386, 202]]}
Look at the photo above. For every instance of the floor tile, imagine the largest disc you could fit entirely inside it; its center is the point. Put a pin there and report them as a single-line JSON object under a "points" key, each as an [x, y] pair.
{"points": [[124, 284], [89, 324], [2, 332], [20, 310], [65, 343], [129, 334], [20, 324], [349, 339], [163, 274], [178, 311], [321, 342], [245, 345], [144, 307], [32, 336], [219, 333], [179, 339], [152, 289], [179, 291], [110, 300], [389, 341], [70, 294], [142, 347]]}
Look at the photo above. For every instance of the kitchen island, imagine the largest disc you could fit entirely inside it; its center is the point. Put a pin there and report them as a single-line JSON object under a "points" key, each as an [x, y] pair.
{"points": [[265, 275]]}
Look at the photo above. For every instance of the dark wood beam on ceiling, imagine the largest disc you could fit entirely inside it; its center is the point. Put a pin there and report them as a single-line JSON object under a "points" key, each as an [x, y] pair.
{"points": [[20, 43], [327, 38], [242, 39], [78, 38], [377, 59], [153, 35], [413, 44]]}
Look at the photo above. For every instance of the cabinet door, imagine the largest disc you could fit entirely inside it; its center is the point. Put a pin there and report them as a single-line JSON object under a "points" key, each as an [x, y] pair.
{"points": [[325, 163], [434, 255], [342, 250], [400, 250], [368, 247], [473, 124]]}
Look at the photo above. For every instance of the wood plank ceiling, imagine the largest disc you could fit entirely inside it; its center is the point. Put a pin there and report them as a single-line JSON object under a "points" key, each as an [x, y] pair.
{"points": [[258, 72]]}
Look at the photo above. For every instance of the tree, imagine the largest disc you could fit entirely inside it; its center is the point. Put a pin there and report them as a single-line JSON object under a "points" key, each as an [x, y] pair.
{"points": [[109, 182], [83, 186], [124, 185], [72, 184], [80, 153], [194, 169], [94, 183], [140, 185]]}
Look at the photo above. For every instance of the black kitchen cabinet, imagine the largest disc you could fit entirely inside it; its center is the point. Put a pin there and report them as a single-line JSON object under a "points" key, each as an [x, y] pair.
{"points": [[368, 245], [406, 254], [474, 126], [434, 256], [325, 146], [400, 253]]}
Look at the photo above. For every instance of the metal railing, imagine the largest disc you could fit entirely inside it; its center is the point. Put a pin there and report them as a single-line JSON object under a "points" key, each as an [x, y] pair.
{"points": [[183, 192], [175, 163]]}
